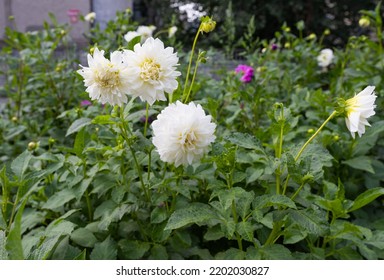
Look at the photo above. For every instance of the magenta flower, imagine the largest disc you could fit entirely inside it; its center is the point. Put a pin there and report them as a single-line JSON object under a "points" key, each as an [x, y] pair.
{"points": [[247, 72], [85, 103]]}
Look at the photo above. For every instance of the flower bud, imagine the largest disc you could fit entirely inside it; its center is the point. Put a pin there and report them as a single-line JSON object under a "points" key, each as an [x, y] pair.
{"points": [[32, 146], [364, 22], [327, 32], [287, 45], [207, 24], [311, 36], [15, 119], [310, 131]]}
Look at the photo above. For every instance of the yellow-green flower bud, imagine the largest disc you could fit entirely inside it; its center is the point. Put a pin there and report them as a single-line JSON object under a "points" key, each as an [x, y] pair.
{"points": [[15, 119], [207, 24], [311, 36], [32, 146], [327, 32], [310, 131], [364, 22], [336, 137], [287, 45]]}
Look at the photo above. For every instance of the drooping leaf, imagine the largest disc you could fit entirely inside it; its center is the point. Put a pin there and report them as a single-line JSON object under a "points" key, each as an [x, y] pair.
{"points": [[106, 250], [365, 198], [245, 141], [59, 199], [133, 249], [362, 163], [13, 245], [308, 221], [194, 213], [83, 237], [268, 200], [77, 125]]}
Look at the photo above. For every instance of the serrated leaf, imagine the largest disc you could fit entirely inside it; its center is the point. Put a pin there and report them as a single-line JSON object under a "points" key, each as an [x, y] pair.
{"points": [[365, 198], [268, 200], [308, 221], [245, 229], [231, 254], [20, 164], [44, 250], [133, 249], [106, 250], [245, 140], [275, 252], [3, 241], [83, 237], [103, 119], [362, 163], [59, 199], [77, 125], [193, 213]]}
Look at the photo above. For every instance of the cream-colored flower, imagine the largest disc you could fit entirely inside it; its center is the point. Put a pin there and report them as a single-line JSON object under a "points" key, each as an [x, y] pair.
{"points": [[145, 31], [358, 109], [106, 80], [182, 133], [172, 31], [325, 58], [152, 70], [90, 17]]}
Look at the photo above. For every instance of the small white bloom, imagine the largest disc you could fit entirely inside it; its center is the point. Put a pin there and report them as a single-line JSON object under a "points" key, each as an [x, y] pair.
{"points": [[90, 17], [130, 35], [145, 31], [182, 133], [359, 109], [152, 70], [325, 58], [172, 31], [106, 80]]}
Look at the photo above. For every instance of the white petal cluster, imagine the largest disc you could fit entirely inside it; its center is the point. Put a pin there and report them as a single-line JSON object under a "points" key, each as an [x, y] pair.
{"points": [[106, 80], [182, 133], [152, 70], [90, 17], [359, 109], [144, 31], [325, 58], [172, 31]]}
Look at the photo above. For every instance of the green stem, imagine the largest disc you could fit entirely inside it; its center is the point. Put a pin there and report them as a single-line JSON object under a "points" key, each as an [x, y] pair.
{"points": [[297, 191], [146, 120], [234, 213], [89, 206], [279, 151], [125, 131], [193, 80], [334, 113], [190, 62]]}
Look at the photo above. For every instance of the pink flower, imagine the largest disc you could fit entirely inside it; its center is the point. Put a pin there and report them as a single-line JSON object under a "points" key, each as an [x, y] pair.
{"points": [[73, 15], [247, 72], [85, 103]]}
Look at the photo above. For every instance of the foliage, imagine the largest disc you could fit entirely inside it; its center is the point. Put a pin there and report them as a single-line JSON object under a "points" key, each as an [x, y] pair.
{"points": [[94, 187]]}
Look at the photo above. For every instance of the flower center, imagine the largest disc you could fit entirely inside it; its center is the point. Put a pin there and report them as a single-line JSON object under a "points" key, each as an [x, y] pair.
{"points": [[150, 70], [109, 78], [188, 140]]}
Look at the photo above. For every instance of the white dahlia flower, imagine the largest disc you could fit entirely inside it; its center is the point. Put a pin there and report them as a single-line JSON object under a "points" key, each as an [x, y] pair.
{"points": [[358, 109], [106, 80], [130, 35], [152, 70], [325, 58], [145, 31], [172, 31], [90, 17], [182, 133]]}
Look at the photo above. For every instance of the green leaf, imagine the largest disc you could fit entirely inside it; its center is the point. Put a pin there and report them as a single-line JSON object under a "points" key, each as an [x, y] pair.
{"points": [[275, 252], [20, 164], [78, 146], [103, 119], [3, 242], [158, 215], [159, 252], [309, 222], [362, 163], [83, 237], [106, 250], [13, 244], [133, 42], [82, 256], [59, 199], [365, 198], [77, 125], [231, 254], [268, 200], [193, 213], [133, 249], [44, 250], [245, 140], [245, 229]]}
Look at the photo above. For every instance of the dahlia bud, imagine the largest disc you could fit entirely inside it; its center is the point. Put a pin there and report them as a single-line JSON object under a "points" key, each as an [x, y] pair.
{"points": [[32, 146], [207, 24]]}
